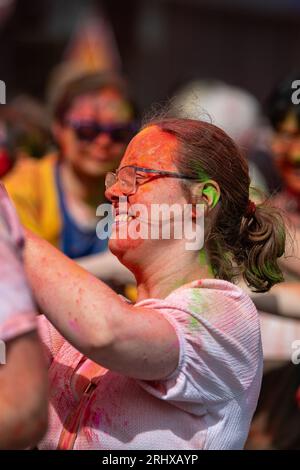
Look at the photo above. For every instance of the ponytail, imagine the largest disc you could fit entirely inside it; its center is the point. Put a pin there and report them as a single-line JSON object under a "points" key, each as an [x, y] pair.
{"points": [[262, 239], [250, 248]]}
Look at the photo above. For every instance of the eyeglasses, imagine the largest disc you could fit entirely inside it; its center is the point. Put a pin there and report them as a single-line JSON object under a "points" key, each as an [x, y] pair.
{"points": [[128, 177], [88, 130]]}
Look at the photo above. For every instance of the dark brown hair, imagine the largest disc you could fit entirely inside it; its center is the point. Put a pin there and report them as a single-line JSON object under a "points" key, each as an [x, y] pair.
{"points": [[237, 244], [88, 83]]}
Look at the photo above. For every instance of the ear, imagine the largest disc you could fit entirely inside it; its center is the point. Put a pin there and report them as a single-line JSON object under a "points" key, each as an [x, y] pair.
{"points": [[208, 192], [211, 193]]}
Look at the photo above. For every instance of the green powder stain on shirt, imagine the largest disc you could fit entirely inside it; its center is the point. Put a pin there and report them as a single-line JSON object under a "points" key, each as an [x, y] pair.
{"points": [[198, 305], [194, 324]]}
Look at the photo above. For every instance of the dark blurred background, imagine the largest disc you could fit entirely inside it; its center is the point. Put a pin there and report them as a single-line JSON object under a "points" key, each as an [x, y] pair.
{"points": [[162, 43]]}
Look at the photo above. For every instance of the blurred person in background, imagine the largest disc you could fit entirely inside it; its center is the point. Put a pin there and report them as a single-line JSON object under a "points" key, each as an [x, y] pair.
{"points": [[24, 131], [23, 378], [57, 196], [238, 113], [284, 116], [277, 420]]}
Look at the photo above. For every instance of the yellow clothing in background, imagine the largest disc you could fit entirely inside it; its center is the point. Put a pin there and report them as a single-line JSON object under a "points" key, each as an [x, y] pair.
{"points": [[31, 185]]}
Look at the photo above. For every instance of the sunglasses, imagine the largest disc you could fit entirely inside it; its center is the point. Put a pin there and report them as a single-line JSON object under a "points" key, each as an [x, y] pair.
{"points": [[88, 131], [127, 177]]}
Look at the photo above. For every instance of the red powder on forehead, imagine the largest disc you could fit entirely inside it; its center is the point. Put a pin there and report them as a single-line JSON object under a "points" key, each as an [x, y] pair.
{"points": [[152, 146]]}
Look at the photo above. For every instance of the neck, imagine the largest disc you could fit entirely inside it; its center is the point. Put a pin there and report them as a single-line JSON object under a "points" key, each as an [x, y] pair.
{"points": [[89, 189], [160, 277]]}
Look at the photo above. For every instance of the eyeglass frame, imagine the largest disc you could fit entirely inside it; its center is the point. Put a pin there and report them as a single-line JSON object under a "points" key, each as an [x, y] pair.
{"points": [[158, 173]]}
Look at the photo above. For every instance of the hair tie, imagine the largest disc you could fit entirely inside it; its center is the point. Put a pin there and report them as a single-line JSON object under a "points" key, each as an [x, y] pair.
{"points": [[250, 210]]}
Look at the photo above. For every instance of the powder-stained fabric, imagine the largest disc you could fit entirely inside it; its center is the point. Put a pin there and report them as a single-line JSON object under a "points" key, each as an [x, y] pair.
{"points": [[207, 403]]}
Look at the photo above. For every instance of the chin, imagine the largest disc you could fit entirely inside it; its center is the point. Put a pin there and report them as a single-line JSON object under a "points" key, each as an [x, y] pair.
{"points": [[126, 250], [117, 247]]}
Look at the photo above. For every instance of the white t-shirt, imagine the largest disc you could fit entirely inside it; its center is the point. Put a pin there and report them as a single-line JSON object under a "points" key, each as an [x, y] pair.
{"points": [[207, 403]]}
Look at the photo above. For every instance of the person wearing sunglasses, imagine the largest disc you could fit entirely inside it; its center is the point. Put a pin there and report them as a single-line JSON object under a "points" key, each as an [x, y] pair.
{"points": [[181, 368], [57, 196]]}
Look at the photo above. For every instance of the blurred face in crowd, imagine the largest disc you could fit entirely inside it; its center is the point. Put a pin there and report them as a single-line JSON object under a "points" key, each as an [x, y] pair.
{"points": [[286, 147], [96, 129]]}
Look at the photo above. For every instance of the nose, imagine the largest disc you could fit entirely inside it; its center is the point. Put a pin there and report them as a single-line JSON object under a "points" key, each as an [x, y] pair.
{"points": [[103, 139], [114, 192]]}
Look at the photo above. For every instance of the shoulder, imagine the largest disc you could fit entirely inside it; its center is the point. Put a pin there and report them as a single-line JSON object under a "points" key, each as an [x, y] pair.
{"points": [[224, 310], [218, 331], [213, 299], [209, 300], [24, 166], [26, 171], [22, 182], [219, 334]]}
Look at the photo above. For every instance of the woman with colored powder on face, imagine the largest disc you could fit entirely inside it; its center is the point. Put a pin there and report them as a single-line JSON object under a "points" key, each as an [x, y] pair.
{"points": [[180, 369]]}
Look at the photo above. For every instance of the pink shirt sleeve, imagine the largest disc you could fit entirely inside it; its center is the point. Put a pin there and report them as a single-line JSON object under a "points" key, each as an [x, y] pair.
{"points": [[17, 310], [220, 346]]}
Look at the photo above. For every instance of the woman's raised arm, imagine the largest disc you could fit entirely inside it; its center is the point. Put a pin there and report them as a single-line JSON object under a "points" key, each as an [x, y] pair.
{"points": [[138, 342]]}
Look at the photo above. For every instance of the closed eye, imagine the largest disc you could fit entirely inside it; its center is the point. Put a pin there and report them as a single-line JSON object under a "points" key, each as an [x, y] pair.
{"points": [[144, 178]]}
